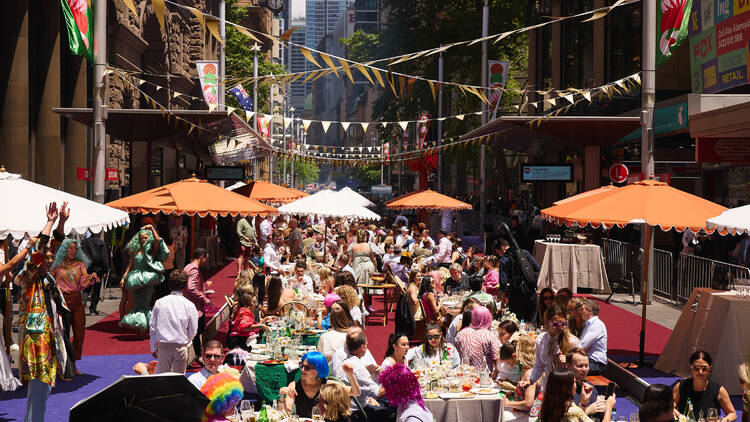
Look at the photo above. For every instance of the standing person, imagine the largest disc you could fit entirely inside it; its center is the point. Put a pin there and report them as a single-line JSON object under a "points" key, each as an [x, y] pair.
{"points": [[144, 271], [212, 356], [521, 295], [266, 231], [174, 322], [69, 270], [96, 250], [178, 233], [295, 238], [246, 233], [271, 258], [442, 257], [194, 293], [363, 258]]}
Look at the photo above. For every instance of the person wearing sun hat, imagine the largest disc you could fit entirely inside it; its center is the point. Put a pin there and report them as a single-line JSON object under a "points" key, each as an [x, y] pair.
{"points": [[224, 392]]}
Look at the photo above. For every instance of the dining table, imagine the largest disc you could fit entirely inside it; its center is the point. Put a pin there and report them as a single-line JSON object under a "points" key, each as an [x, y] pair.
{"points": [[570, 265], [485, 408]]}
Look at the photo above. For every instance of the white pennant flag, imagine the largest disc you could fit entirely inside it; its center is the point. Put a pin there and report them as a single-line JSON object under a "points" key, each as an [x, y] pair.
{"points": [[403, 125], [248, 115], [569, 97], [287, 121], [460, 117], [345, 125], [325, 126], [586, 95], [364, 126]]}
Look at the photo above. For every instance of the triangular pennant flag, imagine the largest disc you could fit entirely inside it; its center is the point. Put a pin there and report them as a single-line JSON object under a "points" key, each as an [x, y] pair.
{"points": [[596, 15], [460, 116], [308, 55], [364, 127], [211, 106], [551, 101], [364, 71], [287, 121], [176, 94], [131, 6], [432, 89], [411, 85], [403, 125], [288, 33], [158, 87], [322, 73], [141, 82], [248, 115], [213, 28], [306, 124], [586, 95], [403, 58], [311, 74], [159, 10], [402, 85], [198, 15], [230, 110], [326, 58], [247, 33], [347, 70], [376, 72], [569, 98], [501, 36]]}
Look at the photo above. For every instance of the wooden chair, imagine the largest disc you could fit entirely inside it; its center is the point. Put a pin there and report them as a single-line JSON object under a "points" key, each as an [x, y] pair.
{"points": [[299, 306]]}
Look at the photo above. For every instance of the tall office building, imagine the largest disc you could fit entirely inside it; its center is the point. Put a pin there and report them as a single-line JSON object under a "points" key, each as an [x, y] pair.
{"points": [[295, 12]]}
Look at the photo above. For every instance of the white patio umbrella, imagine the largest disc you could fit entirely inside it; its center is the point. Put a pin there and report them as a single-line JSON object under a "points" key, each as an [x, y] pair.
{"points": [[734, 221], [328, 203], [356, 197], [23, 209], [236, 186]]}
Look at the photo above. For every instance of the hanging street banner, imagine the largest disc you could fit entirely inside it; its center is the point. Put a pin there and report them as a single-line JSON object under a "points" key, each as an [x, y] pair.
{"points": [[424, 128], [498, 75], [719, 35], [242, 97], [79, 20], [208, 73], [672, 22]]}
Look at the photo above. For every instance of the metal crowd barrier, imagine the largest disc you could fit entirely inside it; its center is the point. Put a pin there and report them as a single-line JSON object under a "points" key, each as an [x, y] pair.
{"points": [[664, 281], [624, 266], [695, 271]]}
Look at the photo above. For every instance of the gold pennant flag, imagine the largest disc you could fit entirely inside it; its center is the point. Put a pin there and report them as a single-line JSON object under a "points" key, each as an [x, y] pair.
{"points": [[501, 36], [596, 15], [159, 10], [586, 95], [248, 115], [131, 6], [404, 58], [213, 28], [295, 77], [411, 85], [402, 85], [432, 89], [376, 72], [176, 94], [244, 31], [364, 127], [311, 74], [551, 101], [364, 71], [306, 124], [460, 116], [287, 122], [393, 88], [308, 55], [199, 15], [191, 129], [347, 70], [326, 58], [322, 73], [288, 33]]}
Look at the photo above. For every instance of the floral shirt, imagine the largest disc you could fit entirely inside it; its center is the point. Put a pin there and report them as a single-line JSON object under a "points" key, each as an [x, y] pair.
{"points": [[417, 355], [71, 278]]}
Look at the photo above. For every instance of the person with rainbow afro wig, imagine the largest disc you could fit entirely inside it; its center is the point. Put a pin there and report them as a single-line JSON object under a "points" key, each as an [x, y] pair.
{"points": [[224, 392], [145, 270], [403, 392]]}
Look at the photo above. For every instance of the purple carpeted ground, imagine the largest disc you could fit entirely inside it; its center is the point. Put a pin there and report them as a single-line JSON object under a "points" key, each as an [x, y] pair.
{"points": [[99, 372]]}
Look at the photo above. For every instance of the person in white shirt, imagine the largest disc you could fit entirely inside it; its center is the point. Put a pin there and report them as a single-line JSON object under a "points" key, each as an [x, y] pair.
{"points": [[300, 280], [343, 264], [213, 356], [174, 323], [390, 256], [266, 231], [271, 255], [403, 237], [594, 337], [442, 258], [335, 338], [552, 345], [355, 354]]}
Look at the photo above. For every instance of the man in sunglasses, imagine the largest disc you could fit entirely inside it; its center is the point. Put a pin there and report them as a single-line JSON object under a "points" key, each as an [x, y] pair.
{"points": [[213, 356]]}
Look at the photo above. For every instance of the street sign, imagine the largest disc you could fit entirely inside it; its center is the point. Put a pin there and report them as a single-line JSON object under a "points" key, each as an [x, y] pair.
{"points": [[618, 173]]}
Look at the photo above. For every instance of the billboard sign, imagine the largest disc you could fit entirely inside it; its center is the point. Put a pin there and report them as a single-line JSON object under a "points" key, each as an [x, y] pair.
{"points": [[225, 173], [547, 173]]}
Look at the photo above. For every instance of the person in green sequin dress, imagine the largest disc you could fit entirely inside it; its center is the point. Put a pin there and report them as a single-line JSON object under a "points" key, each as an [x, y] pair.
{"points": [[144, 271]]}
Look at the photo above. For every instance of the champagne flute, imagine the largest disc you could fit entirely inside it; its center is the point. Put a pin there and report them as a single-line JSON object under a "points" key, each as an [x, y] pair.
{"points": [[317, 416]]}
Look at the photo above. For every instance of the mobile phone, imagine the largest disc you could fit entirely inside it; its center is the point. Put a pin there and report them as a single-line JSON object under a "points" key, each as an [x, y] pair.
{"points": [[610, 389]]}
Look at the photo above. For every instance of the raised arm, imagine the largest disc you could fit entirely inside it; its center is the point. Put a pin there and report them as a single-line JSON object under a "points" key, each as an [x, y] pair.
{"points": [[353, 389], [52, 214]]}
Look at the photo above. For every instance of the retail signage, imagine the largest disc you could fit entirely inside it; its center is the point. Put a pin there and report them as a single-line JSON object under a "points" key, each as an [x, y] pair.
{"points": [[208, 74], [719, 34], [113, 175], [667, 119], [711, 150], [83, 173], [618, 173], [547, 173], [498, 75], [225, 173]]}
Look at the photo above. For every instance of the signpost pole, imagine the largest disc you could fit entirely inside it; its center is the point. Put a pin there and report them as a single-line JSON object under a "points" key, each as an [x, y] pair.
{"points": [[483, 147]]}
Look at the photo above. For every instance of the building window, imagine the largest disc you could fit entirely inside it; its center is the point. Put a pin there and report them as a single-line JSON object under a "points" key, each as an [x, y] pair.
{"points": [[577, 46], [623, 50]]}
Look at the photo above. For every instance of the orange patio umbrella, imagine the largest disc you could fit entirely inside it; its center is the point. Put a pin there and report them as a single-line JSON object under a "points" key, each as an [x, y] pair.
{"points": [[585, 194], [648, 202], [261, 190], [192, 197], [427, 200]]}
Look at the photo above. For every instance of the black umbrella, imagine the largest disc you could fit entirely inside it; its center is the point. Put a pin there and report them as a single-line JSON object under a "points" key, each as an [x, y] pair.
{"points": [[164, 397]]}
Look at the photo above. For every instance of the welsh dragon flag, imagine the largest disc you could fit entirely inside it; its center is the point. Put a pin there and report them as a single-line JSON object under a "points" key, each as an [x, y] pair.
{"points": [[672, 18], [79, 19]]}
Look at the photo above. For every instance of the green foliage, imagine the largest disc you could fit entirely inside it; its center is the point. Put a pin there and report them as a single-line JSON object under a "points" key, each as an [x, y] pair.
{"points": [[305, 171], [361, 46], [367, 175], [239, 59]]}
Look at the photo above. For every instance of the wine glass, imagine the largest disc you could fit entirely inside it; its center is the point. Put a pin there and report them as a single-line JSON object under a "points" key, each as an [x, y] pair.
{"points": [[317, 415], [246, 409], [712, 415]]}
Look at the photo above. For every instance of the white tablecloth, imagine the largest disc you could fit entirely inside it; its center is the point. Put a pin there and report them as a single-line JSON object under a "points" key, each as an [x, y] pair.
{"points": [[571, 266], [479, 409]]}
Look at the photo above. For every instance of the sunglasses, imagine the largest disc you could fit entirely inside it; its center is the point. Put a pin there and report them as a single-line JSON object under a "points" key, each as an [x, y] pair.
{"points": [[561, 324], [546, 298], [433, 337], [211, 357], [306, 367]]}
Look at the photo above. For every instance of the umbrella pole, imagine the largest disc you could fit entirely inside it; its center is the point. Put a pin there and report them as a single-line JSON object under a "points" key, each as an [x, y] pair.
{"points": [[644, 293], [192, 238]]}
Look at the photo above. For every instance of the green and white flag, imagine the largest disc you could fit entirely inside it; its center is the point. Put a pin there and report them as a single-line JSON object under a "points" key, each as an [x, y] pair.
{"points": [[672, 18], [79, 19]]}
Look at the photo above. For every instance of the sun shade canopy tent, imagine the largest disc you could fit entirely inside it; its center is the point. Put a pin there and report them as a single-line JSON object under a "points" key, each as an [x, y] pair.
{"points": [[732, 221], [648, 202], [427, 200], [262, 190], [23, 210], [358, 199], [328, 203]]}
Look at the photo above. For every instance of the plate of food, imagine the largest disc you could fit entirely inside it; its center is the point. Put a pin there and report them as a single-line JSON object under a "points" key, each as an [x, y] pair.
{"points": [[432, 395], [463, 395], [259, 357], [484, 391]]}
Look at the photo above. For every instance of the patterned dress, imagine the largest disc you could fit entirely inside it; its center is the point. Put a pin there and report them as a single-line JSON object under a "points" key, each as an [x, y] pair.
{"points": [[38, 352], [481, 347]]}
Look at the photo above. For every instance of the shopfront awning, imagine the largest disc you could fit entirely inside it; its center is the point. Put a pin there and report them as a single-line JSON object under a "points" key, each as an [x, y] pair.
{"points": [[145, 125], [580, 130]]}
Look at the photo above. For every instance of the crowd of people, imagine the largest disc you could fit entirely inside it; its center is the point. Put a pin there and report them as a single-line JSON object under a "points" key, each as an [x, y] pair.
{"points": [[543, 345]]}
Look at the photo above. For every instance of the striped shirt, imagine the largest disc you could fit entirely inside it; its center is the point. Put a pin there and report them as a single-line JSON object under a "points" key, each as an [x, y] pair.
{"points": [[481, 347]]}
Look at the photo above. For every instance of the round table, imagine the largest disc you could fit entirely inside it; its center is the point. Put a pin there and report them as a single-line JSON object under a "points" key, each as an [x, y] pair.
{"points": [[386, 288]]}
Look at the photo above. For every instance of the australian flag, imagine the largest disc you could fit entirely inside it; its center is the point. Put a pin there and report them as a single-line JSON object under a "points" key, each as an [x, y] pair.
{"points": [[241, 95]]}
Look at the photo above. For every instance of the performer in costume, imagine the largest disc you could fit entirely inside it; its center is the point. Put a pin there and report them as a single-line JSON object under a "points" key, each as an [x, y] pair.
{"points": [[144, 271]]}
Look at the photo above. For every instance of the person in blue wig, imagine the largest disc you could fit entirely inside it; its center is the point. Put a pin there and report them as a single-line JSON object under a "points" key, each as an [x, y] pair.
{"points": [[300, 396], [144, 271]]}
